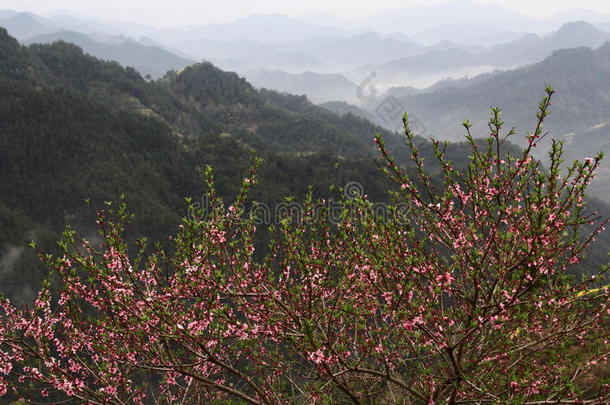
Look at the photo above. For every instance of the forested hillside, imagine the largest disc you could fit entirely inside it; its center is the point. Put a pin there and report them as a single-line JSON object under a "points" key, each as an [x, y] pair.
{"points": [[74, 128]]}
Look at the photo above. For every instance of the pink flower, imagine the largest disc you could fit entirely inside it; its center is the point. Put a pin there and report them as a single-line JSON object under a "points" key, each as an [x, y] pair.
{"points": [[317, 357], [387, 296]]}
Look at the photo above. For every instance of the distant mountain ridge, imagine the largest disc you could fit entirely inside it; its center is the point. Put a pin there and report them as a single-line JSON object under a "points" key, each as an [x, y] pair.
{"points": [[149, 60], [246, 55], [466, 34], [266, 28], [451, 58], [319, 87], [533, 48], [275, 42], [24, 25], [581, 77], [353, 50]]}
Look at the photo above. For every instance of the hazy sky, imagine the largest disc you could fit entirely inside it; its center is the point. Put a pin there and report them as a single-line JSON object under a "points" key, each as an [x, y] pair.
{"points": [[189, 12]]}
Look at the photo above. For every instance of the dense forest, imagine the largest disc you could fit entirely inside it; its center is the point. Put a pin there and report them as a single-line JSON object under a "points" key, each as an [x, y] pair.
{"points": [[74, 128], [76, 132]]}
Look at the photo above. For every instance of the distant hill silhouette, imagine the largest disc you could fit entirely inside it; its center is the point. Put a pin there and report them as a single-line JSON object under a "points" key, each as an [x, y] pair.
{"points": [[581, 77], [146, 59]]}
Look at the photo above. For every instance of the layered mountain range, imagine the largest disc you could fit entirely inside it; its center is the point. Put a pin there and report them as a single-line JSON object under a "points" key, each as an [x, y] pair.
{"points": [[76, 128], [94, 109]]}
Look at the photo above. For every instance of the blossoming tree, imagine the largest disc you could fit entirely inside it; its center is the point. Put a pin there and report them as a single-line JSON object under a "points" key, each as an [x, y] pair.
{"points": [[461, 294]]}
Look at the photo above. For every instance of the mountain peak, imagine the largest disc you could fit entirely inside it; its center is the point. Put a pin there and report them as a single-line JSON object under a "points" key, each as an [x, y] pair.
{"points": [[578, 33], [208, 84], [577, 28]]}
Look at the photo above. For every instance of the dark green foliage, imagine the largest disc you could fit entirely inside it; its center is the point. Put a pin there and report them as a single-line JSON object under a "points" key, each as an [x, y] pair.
{"points": [[74, 128]]}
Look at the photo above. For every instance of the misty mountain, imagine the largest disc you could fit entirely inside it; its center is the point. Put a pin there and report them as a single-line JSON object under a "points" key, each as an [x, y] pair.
{"points": [[430, 62], [575, 34], [532, 48], [151, 60], [347, 53], [144, 40], [424, 70], [467, 34], [581, 77], [151, 56], [450, 60], [297, 45], [318, 87], [246, 55], [266, 28], [24, 25], [82, 24]]}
